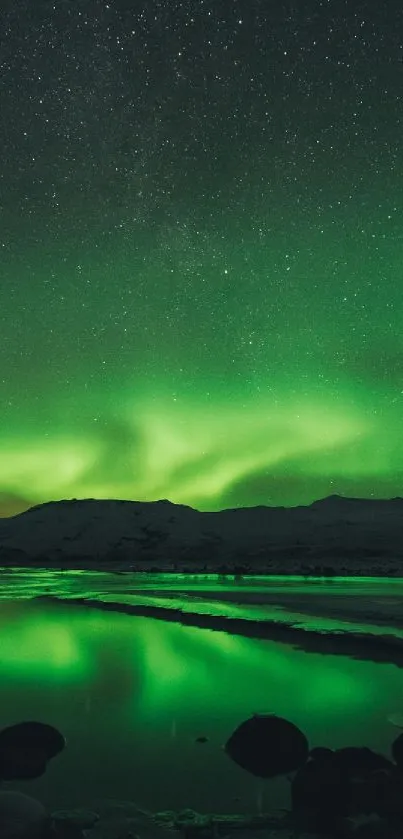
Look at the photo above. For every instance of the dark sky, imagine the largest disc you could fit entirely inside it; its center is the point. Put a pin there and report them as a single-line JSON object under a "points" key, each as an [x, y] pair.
{"points": [[201, 250]]}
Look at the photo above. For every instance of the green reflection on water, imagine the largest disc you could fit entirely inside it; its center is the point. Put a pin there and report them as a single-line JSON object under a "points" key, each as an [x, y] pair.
{"points": [[132, 694], [43, 649]]}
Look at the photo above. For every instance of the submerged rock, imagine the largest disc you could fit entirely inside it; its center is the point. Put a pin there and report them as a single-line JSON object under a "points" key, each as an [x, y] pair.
{"points": [[266, 746]]}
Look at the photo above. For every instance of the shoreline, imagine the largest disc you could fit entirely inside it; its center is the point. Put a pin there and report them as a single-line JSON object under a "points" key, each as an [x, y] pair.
{"points": [[231, 571]]}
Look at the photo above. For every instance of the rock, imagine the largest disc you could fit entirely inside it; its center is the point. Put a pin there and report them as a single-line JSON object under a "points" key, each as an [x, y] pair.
{"points": [[320, 791], [360, 762], [25, 749], [266, 746], [22, 817]]}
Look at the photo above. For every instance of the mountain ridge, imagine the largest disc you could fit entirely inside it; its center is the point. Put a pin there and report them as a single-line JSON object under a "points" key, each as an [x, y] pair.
{"points": [[102, 532]]}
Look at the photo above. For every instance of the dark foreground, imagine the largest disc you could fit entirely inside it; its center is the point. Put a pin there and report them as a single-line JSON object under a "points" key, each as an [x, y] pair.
{"points": [[110, 819]]}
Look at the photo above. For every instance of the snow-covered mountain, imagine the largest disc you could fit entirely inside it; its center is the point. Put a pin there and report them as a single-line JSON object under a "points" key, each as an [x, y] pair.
{"points": [[334, 531]]}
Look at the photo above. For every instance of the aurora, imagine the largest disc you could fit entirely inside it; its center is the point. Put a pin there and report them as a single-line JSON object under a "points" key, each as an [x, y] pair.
{"points": [[200, 255]]}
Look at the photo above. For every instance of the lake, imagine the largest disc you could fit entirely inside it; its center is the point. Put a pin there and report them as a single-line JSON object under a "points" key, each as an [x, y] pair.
{"points": [[131, 694]]}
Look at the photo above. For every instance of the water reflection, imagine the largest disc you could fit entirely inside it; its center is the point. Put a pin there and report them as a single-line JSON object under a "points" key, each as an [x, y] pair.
{"points": [[132, 694]]}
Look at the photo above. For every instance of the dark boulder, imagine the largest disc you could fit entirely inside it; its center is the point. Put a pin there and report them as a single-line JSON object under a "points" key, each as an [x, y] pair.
{"points": [[266, 746], [320, 792], [26, 748]]}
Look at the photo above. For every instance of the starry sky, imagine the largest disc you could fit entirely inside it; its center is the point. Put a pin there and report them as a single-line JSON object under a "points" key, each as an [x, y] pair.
{"points": [[201, 251]]}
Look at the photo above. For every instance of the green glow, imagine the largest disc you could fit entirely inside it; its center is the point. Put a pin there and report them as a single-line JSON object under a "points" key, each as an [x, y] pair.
{"points": [[235, 451]]}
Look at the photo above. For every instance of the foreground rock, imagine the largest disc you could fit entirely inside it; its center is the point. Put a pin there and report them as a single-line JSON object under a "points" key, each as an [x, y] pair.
{"points": [[268, 746], [26, 748]]}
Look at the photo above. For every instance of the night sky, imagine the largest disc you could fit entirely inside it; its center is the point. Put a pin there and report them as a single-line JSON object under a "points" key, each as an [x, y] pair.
{"points": [[201, 251]]}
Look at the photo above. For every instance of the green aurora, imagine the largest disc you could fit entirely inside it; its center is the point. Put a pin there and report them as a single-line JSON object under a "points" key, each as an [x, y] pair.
{"points": [[201, 257]]}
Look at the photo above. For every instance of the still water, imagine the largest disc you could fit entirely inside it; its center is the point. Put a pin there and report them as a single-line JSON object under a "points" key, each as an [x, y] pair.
{"points": [[132, 694]]}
